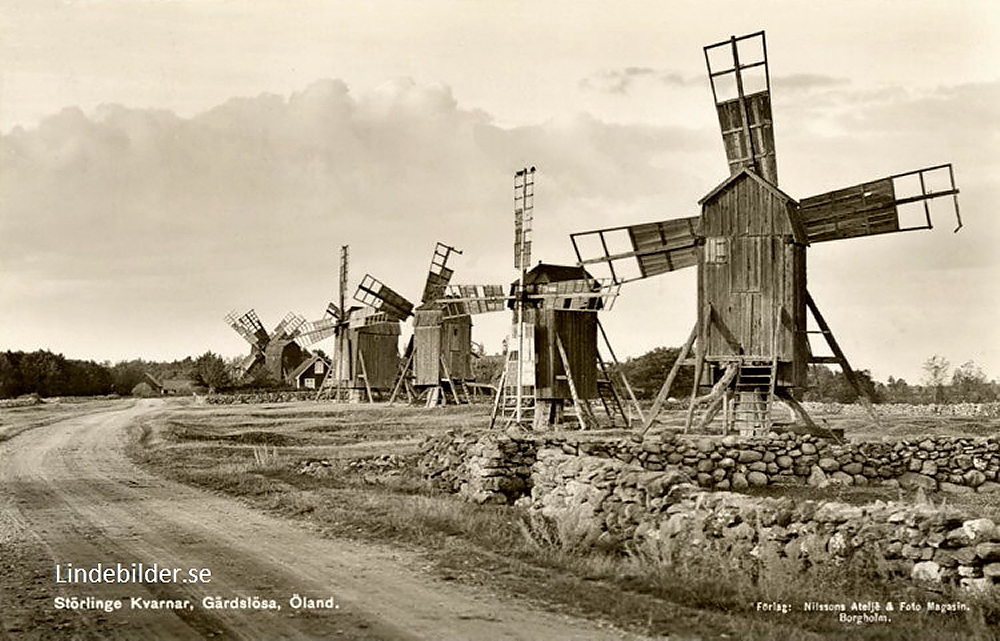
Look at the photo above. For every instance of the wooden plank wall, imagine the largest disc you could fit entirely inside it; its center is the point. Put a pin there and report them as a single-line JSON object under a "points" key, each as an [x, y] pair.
{"points": [[456, 347], [762, 275], [578, 331]]}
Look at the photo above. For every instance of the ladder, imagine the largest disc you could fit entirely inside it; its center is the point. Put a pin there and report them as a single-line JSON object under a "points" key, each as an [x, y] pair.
{"points": [[610, 398], [749, 407], [505, 405]]}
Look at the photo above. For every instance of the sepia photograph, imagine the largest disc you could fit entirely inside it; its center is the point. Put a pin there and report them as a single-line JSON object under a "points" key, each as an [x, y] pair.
{"points": [[456, 320]]}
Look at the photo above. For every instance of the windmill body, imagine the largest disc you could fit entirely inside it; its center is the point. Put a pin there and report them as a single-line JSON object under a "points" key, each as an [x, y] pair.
{"points": [[551, 322], [751, 341], [552, 351], [365, 350], [277, 352], [442, 347], [438, 358], [366, 355]]}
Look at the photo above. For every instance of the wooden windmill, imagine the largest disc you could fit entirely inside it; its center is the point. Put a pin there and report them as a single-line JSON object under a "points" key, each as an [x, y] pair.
{"points": [[438, 357], [366, 347], [749, 245], [552, 350], [277, 350]]}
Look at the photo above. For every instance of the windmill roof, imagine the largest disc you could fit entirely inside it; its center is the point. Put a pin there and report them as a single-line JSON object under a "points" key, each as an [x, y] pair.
{"points": [[797, 229], [549, 273], [750, 174]]}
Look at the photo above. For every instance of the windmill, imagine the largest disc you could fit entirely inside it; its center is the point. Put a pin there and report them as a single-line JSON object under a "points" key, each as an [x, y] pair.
{"points": [[277, 350], [366, 348], [552, 351], [749, 245], [438, 357]]}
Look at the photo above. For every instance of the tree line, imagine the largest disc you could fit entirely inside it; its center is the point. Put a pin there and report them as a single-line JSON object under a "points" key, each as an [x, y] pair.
{"points": [[965, 384], [46, 374]]}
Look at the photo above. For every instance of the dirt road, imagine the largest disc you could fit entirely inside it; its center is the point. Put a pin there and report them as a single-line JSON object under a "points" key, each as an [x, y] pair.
{"points": [[70, 498]]}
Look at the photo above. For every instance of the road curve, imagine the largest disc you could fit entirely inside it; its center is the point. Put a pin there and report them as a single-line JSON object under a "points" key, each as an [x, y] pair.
{"points": [[69, 495]]}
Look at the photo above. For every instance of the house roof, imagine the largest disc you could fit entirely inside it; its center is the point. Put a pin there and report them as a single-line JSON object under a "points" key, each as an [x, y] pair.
{"points": [[306, 364]]}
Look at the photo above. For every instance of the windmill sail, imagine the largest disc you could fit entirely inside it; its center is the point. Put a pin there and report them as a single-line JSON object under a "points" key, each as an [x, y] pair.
{"points": [[741, 88], [873, 208], [315, 331], [289, 326], [250, 328], [382, 298], [439, 275], [652, 248]]}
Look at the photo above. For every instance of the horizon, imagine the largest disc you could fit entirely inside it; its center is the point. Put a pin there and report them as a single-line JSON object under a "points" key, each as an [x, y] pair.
{"points": [[163, 165]]}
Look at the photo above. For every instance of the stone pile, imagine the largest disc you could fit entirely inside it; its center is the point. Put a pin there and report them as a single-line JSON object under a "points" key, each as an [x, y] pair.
{"points": [[485, 468], [971, 410], [253, 398]]}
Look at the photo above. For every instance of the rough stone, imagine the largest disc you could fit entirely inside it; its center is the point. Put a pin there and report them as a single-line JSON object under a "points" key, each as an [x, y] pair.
{"points": [[829, 464], [757, 479], [926, 571], [911, 481]]}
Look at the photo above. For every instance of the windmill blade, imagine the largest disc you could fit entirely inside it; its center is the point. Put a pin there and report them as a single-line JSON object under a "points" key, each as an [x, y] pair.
{"points": [[334, 311], [375, 294], [873, 208], [289, 326], [582, 295], [315, 331], [365, 316], [634, 252], [462, 300], [741, 89], [342, 289], [244, 367], [248, 326], [438, 276], [524, 206]]}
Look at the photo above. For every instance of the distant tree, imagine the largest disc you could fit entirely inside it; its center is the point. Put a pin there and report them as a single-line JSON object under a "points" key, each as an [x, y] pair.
{"points": [[647, 373], [487, 368], [969, 384], [210, 370], [936, 376], [897, 390], [827, 385], [11, 383]]}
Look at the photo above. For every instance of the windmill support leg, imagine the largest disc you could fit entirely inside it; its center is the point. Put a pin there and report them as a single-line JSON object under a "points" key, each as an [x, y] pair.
{"points": [[852, 377], [665, 390], [402, 379], [716, 396], [364, 372], [498, 399], [628, 387], [810, 425], [582, 409]]}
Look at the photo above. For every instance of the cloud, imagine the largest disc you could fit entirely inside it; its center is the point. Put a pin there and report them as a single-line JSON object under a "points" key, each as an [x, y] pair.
{"points": [[247, 203], [621, 81], [807, 82]]}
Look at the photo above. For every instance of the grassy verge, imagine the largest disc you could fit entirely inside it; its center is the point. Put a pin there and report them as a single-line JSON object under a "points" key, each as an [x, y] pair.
{"points": [[254, 454]]}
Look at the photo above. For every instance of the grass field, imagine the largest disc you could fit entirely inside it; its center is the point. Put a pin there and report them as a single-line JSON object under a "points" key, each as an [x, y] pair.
{"points": [[369, 492]]}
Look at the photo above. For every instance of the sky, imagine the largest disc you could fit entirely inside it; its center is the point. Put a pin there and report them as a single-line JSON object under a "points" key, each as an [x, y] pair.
{"points": [[164, 162]]}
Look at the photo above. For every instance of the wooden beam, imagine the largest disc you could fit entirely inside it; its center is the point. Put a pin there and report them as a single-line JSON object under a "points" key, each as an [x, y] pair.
{"points": [[614, 359], [582, 411], [849, 373], [664, 392]]}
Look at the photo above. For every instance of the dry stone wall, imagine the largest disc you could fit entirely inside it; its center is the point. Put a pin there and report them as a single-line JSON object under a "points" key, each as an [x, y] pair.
{"points": [[673, 495], [666, 517], [497, 467]]}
